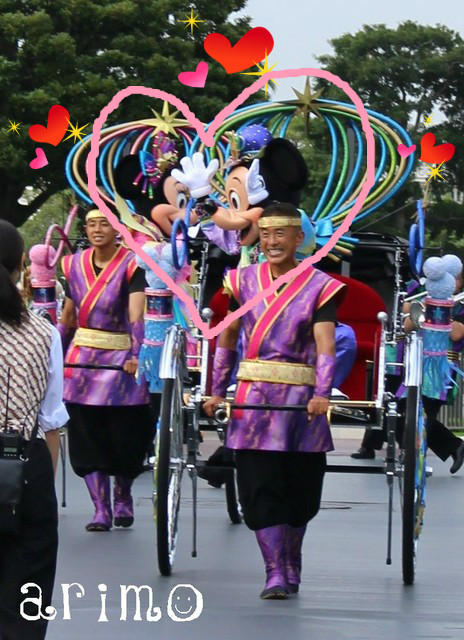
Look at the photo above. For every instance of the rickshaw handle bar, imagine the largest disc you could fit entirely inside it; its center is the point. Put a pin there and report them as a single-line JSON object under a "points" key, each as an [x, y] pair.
{"points": [[112, 367]]}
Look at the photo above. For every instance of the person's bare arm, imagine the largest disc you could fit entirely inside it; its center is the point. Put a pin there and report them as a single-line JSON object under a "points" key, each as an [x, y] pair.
{"points": [[136, 306], [229, 337], [457, 331], [53, 442], [408, 325], [324, 335], [68, 314]]}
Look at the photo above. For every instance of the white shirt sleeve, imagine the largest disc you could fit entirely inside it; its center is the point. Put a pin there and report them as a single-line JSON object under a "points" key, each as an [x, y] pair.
{"points": [[53, 414]]}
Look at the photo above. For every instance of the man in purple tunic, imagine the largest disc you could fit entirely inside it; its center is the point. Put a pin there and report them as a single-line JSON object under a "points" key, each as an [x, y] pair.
{"points": [[102, 324], [289, 359]]}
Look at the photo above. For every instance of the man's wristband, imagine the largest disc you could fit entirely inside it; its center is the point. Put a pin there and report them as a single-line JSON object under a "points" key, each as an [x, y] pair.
{"points": [[66, 334], [224, 363], [137, 335], [325, 371]]}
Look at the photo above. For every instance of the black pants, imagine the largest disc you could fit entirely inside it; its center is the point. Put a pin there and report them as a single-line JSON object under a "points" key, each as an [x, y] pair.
{"points": [[439, 439], [113, 440], [31, 555], [277, 487]]}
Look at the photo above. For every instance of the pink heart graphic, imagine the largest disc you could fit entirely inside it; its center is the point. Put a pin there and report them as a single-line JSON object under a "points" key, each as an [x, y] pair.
{"points": [[195, 78], [405, 151], [207, 137], [40, 160]]}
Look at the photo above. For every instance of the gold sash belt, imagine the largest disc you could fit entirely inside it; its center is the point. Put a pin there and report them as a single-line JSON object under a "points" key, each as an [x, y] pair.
{"points": [[102, 339], [274, 371]]}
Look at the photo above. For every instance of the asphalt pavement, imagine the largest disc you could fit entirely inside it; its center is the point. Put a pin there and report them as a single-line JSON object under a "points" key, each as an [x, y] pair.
{"points": [[348, 592]]}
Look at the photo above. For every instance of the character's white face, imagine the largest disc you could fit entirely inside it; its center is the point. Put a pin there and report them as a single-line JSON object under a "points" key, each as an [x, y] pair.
{"points": [[185, 603]]}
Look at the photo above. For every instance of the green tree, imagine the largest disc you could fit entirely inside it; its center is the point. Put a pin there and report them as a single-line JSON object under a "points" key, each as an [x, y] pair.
{"points": [[407, 73], [79, 53]]}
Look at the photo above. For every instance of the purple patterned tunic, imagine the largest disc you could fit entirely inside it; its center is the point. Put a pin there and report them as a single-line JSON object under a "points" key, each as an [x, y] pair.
{"points": [[279, 328], [101, 303]]}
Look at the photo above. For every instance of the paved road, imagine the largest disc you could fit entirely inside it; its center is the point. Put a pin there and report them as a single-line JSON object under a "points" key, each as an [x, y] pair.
{"points": [[348, 592]]}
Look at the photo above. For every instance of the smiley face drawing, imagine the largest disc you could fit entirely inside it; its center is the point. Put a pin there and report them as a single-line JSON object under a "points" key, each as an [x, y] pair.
{"points": [[185, 603]]}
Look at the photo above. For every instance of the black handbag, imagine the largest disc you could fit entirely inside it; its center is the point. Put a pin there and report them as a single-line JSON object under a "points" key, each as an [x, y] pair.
{"points": [[12, 481]]}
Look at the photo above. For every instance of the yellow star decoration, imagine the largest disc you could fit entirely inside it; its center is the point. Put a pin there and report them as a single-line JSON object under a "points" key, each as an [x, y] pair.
{"points": [[428, 120], [192, 21], [14, 127], [262, 70], [305, 102], [76, 132], [166, 122], [435, 172]]}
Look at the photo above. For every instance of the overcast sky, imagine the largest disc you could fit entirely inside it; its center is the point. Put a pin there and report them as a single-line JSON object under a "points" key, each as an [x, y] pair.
{"points": [[302, 29]]}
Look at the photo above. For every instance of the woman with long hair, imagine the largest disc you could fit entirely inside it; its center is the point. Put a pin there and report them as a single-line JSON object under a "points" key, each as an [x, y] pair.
{"points": [[31, 407]]}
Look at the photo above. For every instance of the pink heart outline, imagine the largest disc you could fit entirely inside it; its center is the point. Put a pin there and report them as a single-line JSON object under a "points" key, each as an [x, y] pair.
{"points": [[207, 137], [195, 78], [405, 151], [40, 159]]}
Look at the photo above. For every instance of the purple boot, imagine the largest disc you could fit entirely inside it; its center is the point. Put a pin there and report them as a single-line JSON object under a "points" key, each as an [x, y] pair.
{"points": [[293, 557], [98, 485], [271, 541], [123, 504]]}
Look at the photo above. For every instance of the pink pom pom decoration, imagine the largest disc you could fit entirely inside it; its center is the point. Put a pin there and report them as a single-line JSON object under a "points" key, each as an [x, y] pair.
{"points": [[41, 274]]}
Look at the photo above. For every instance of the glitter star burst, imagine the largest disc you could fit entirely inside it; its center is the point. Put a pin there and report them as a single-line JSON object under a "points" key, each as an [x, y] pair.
{"points": [[166, 122], [76, 132], [14, 127], [435, 172], [262, 70], [306, 102], [192, 21], [428, 120]]}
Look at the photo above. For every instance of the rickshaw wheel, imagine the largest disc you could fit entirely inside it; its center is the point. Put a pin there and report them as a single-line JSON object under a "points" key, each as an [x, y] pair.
{"points": [[168, 471], [412, 482]]}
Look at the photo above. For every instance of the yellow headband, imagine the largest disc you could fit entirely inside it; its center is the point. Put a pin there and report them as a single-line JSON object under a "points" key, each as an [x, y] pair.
{"points": [[94, 213], [278, 221]]}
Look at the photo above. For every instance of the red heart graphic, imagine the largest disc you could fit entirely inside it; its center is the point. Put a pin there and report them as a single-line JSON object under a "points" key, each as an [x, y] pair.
{"points": [[58, 120], [253, 47], [435, 155]]}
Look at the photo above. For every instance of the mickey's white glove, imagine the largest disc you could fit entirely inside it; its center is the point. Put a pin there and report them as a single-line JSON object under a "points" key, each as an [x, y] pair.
{"points": [[256, 189], [195, 175]]}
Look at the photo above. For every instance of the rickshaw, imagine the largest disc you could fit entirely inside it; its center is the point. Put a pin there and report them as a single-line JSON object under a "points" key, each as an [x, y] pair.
{"points": [[181, 420]]}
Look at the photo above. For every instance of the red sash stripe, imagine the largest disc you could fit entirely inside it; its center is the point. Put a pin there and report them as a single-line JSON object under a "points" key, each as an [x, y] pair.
{"points": [[234, 279], [95, 291], [66, 266], [72, 358], [330, 290], [280, 302], [131, 269]]}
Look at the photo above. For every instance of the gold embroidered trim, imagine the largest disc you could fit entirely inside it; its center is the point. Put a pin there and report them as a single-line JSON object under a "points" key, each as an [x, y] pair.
{"points": [[278, 372], [102, 339], [278, 221]]}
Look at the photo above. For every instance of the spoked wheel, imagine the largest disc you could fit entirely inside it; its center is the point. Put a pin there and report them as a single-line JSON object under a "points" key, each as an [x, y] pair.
{"points": [[169, 466], [412, 476], [233, 505]]}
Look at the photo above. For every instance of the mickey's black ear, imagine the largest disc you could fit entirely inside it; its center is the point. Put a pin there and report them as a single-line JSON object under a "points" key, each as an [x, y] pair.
{"points": [[125, 174], [284, 170]]}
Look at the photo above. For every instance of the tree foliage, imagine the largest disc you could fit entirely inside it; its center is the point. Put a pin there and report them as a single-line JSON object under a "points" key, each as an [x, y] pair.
{"points": [[79, 53], [408, 73]]}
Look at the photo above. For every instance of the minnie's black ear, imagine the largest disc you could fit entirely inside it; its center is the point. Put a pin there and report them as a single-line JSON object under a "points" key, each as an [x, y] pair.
{"points": [[284, 171], [125, 174]]}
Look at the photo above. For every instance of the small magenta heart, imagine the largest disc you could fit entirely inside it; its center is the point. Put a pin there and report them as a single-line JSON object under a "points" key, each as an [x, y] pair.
{"points": [[405, 151], [195, 78], [40, 160]]}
